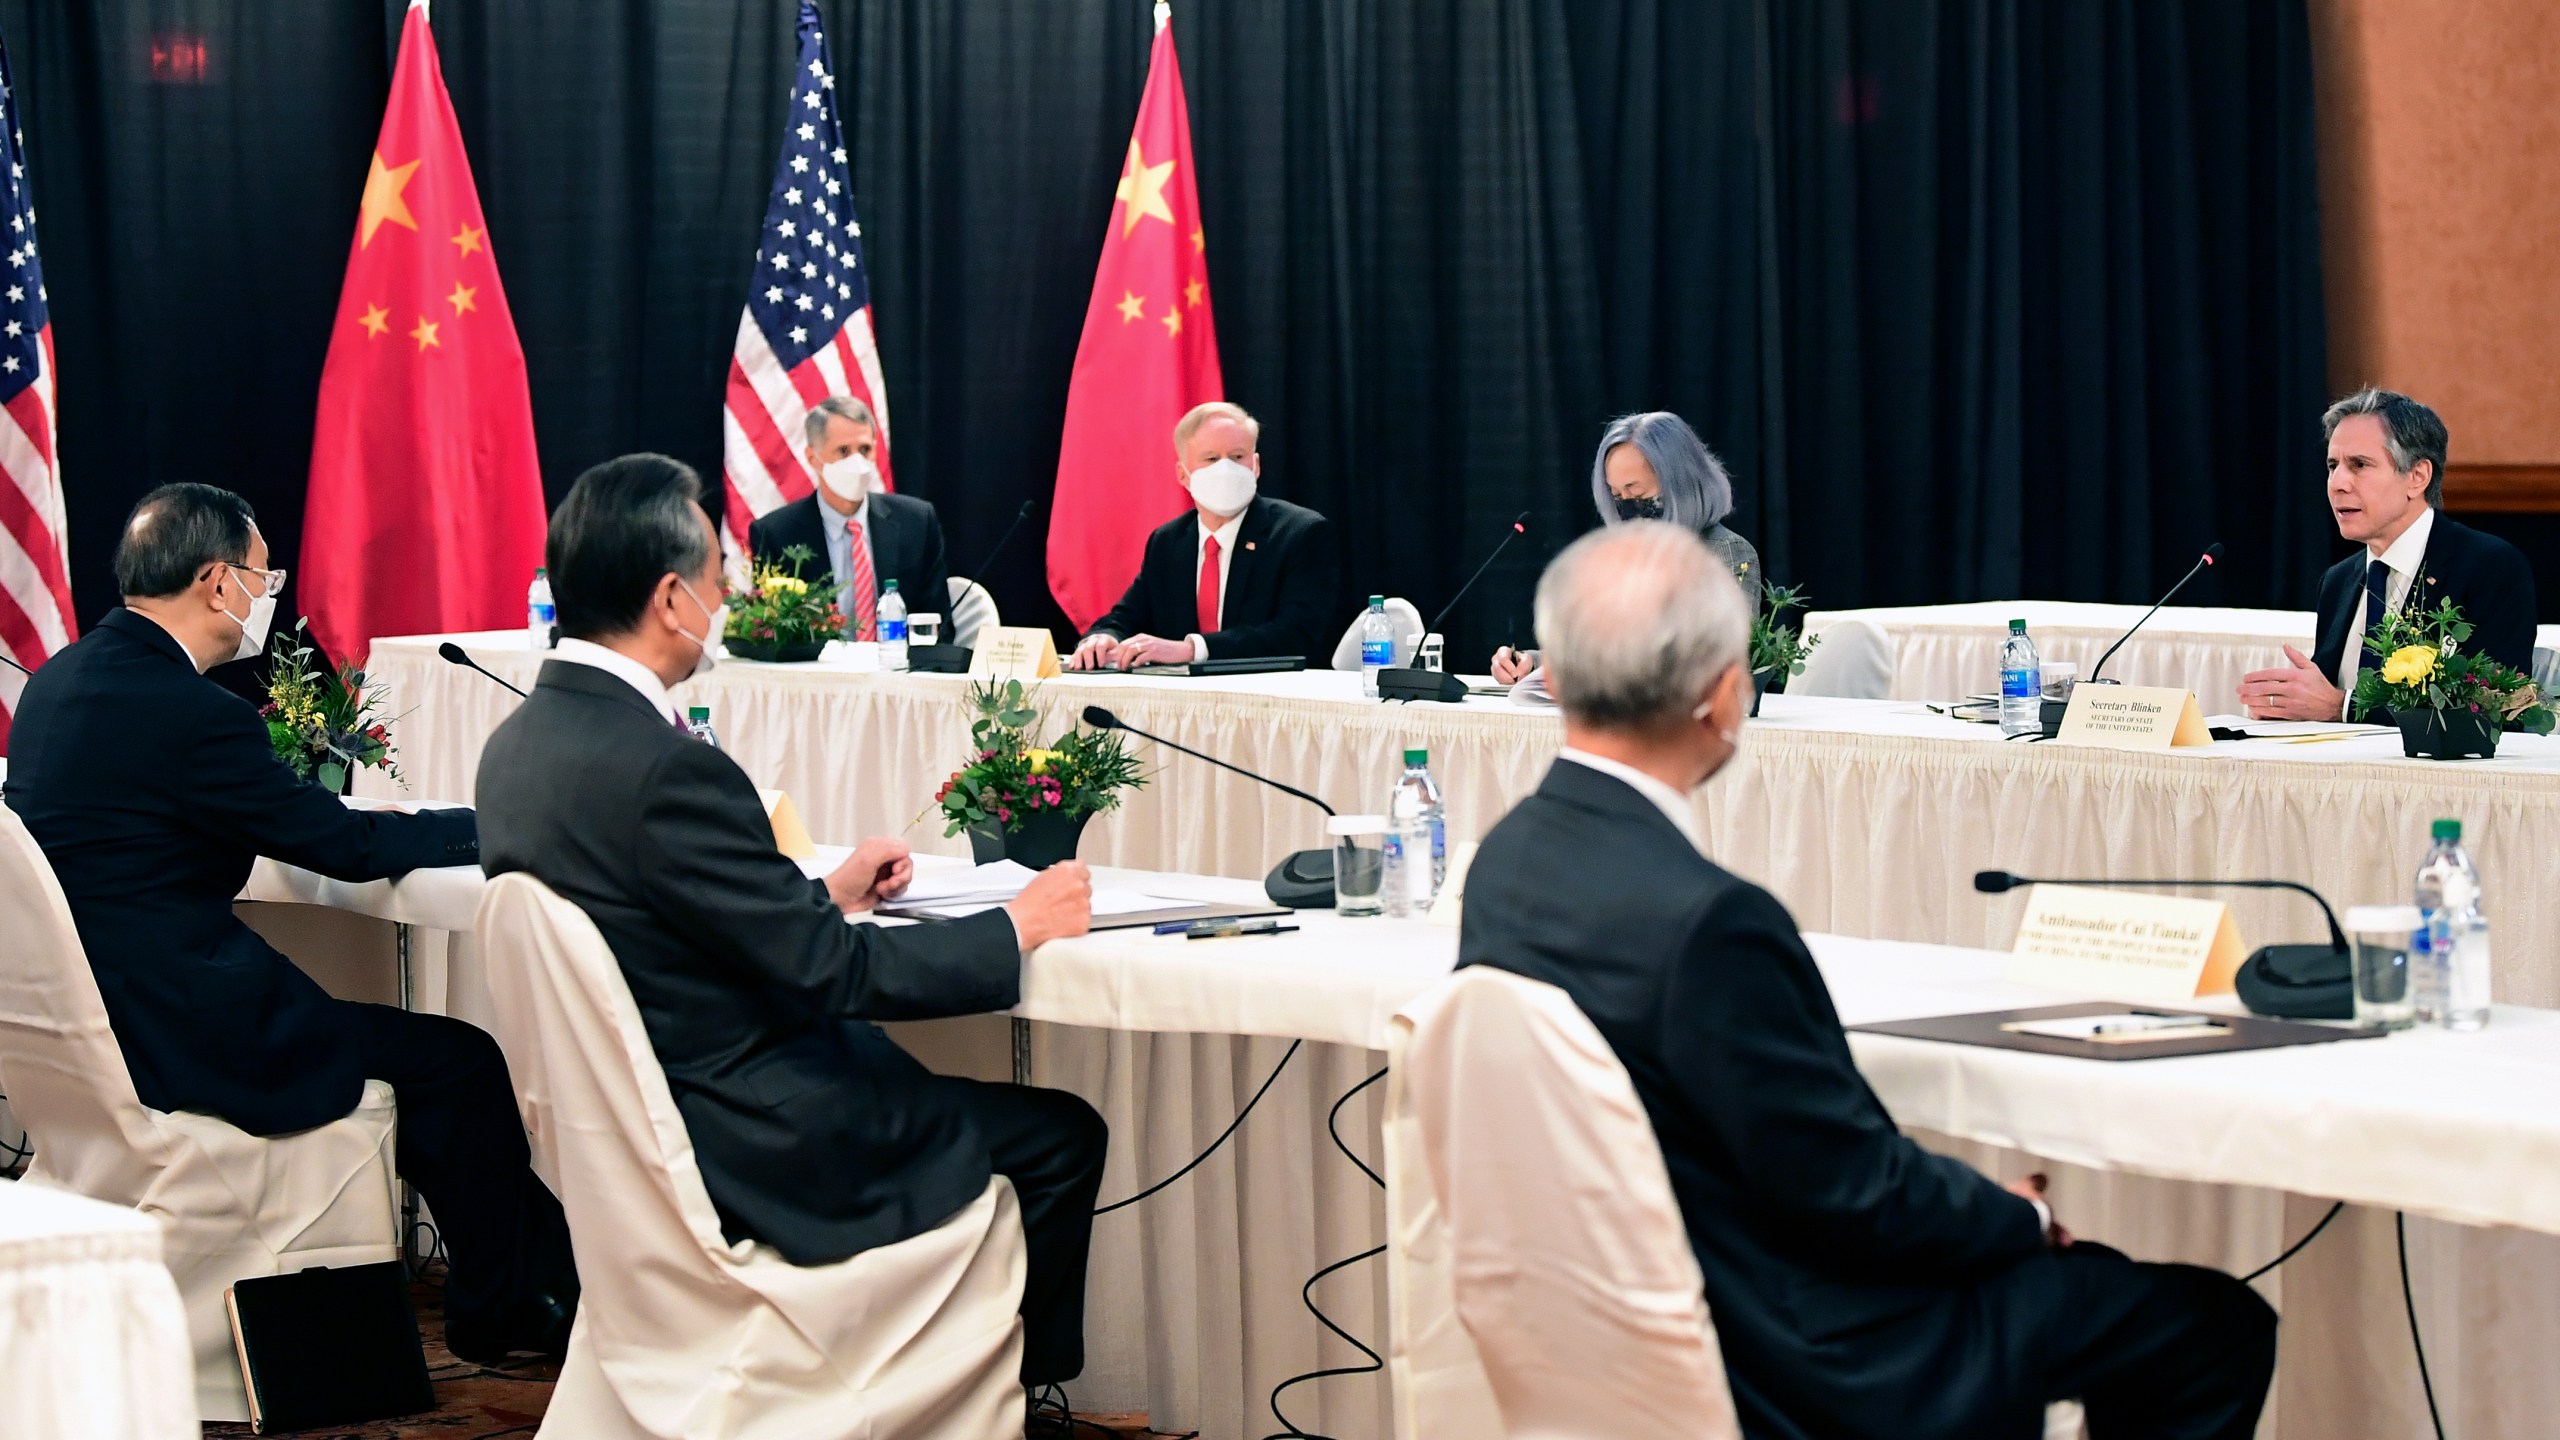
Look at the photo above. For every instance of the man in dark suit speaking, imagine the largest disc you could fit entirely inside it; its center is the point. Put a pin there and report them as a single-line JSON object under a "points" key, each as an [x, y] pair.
{"points": [[865, 540], [1240, 575], [1859, 1284], [2386, 484], [817, 1135], [152, 792]]}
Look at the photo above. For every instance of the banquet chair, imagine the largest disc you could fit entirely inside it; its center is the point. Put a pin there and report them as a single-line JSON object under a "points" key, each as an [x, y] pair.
{"points": [[1541, 1284], [232, 1206], [1853, 662], [681, 1333], [2546, 670], [1408, 627], [973, 611]]}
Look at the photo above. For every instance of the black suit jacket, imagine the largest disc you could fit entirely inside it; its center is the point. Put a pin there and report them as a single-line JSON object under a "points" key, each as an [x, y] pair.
{"points": [[1284, 585], [152, 792], [2483, 574], [1835, 1251], [817, 1135], [906, 546]]}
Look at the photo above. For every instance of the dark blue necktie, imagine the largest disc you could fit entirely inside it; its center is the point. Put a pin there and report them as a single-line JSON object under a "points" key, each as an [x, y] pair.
{"points": [[2377, 579]]}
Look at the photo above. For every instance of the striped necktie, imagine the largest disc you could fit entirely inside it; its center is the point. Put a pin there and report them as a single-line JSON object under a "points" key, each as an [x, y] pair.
{"points": [[863, 595]]}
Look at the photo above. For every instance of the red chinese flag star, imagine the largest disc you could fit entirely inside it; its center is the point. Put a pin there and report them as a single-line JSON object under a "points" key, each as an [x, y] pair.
{"points": [[1149, 353], [426, 510]]}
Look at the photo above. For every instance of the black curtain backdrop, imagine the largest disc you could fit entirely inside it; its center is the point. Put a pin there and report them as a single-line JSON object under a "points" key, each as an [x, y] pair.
{"points": [[1978, 298]]}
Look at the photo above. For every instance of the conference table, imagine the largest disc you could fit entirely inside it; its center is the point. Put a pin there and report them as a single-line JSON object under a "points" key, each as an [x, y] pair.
{"points": [[1945, 652], [2457, 1127]]}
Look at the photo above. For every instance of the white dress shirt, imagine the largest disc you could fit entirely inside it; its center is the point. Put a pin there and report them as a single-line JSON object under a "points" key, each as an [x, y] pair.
{"points": [[840, 543], [2405, 556], [1226, 535], [622, 667]]}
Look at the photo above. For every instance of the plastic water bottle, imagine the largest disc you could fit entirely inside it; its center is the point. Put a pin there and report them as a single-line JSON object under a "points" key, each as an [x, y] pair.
{"points": [[1417, 797], [892, 616], [1377, 644], [2021, 684], [2449, 956], [541, 621], [697, 723]]}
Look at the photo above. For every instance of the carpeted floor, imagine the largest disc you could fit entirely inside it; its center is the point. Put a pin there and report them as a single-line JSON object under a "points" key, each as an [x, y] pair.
{"points": [[477, 1403]]}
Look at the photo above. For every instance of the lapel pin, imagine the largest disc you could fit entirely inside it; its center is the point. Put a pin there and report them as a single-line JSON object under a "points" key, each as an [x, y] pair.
{"points": [[1248, 544]]}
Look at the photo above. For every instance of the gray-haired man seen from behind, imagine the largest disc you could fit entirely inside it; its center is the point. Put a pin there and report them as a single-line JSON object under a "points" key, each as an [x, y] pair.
{"points": [[859, 537], [2386, 491], [1859, 1284], [816, 1134]]}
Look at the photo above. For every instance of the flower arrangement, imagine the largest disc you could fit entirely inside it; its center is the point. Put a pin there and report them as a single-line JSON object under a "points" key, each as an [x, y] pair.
{"points": [[322, 722], [781, 615], [1012, 780], [1778, 649], [2429, 684]]}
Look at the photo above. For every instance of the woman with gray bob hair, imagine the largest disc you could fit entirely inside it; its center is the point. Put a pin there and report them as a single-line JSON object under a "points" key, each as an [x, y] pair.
{"points": [[1652, 466]]}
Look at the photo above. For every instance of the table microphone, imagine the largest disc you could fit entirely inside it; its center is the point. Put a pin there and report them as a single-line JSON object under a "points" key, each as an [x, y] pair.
{"points": [[1303, 880], [455, 654], [2212, 553], [953, 659], [12, 663], [2300, 982], [1413, 684]]}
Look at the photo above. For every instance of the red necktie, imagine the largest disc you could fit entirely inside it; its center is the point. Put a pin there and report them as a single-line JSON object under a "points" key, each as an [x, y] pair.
{"points": [[863, 595], [1209, 585]]}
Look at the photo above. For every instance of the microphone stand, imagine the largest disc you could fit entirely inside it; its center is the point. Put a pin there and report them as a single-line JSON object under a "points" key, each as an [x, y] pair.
{"points": [[2299, 966], [2054, 710], [1408, 683], [455, 654], [953, 658], [1303, 880]]}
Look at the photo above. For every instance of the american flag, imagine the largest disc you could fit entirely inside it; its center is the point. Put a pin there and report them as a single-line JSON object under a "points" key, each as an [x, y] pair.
{"points": [[35, 555], [806, 333]]}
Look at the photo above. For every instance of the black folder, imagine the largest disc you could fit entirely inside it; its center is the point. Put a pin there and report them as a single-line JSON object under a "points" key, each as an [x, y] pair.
{"points": [[329, 1347]]}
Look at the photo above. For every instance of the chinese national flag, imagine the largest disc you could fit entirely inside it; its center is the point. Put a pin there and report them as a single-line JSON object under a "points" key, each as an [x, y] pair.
{"points": [[426, 509], [1149, 353]]}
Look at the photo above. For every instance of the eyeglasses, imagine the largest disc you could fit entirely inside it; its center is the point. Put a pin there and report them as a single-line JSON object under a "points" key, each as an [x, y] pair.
{"points": [[274, 578]]}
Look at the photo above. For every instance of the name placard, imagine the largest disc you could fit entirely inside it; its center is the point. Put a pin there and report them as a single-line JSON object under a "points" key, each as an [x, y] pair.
{"points": [[2133, 717], [2125, 945], [1015, 652], [789, 835]]}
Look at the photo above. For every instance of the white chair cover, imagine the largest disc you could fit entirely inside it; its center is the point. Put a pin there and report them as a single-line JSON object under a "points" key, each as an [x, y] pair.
{"points": [[1853, 662], [1534, 1207], [973, 611], [1408, 624], [231, 1205], [2546, 670], [680, 1333], [93, 1336]]}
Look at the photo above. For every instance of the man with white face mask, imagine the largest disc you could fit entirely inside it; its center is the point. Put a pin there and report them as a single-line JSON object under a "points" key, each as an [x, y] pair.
{"points": [[861, 536], [1860, 1284], [152, 790], [1239, 575]]}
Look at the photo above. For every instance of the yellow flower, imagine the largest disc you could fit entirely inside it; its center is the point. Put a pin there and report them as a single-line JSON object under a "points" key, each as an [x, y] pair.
{"points": [[1041, 761], [786, 585], [2410, 665]]}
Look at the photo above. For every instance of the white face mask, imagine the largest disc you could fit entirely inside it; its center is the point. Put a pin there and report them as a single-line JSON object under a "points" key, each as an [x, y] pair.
{"points": [[705, 657], [849, 479], [253, 631], [1223, 487]]}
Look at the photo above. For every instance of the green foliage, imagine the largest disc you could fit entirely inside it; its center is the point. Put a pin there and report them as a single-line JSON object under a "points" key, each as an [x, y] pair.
{"points": [[1779, 648], [778, 607], [1082, 773], [322, 722], [2419, 665]]}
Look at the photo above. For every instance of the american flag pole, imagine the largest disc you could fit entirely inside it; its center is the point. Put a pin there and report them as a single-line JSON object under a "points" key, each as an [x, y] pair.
{"points": [[806, 333], [35, 553]]}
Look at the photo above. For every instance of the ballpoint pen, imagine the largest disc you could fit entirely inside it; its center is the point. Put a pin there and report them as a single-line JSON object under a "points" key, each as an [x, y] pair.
{"points": [[1221, 929]]}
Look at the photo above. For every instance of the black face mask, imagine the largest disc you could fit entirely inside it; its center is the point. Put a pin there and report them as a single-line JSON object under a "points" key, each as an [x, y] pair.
{"points": [[1647, 508]]}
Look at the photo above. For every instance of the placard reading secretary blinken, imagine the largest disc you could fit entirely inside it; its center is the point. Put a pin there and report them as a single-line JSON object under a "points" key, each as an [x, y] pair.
{"points": [[2133, 717], [2125, 945]]}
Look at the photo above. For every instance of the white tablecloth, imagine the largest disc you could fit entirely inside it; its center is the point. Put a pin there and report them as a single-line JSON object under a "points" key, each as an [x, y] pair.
{"points": [[93, 1339], [1945, 652], [1865, 818]]}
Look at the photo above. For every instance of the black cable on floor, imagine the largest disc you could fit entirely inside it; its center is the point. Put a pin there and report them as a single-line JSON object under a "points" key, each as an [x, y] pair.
{"points": [[2296, 1247], [1307, 1294], [1198, 1159], [2409, 1297]]}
